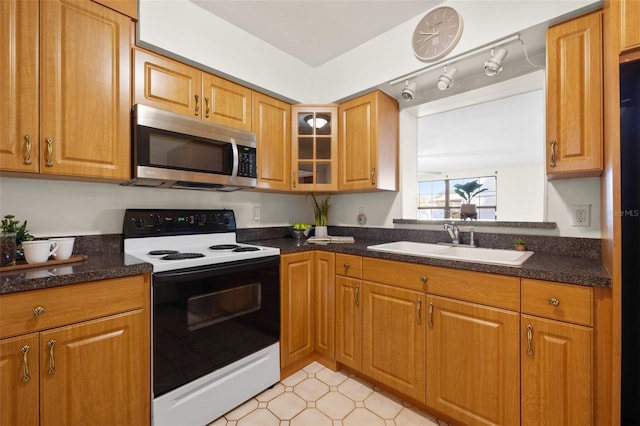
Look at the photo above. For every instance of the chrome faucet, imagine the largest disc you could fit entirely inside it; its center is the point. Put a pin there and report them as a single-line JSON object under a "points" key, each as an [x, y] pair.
{"points": [[453, 231], [472, 234]]}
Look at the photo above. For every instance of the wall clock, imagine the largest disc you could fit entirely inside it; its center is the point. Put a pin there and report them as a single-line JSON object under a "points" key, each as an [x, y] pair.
{"points": [[437, 33]]}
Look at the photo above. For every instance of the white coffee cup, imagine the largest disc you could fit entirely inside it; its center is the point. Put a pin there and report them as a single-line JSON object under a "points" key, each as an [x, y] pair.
{"points": [[38, 251], [65, 247]]}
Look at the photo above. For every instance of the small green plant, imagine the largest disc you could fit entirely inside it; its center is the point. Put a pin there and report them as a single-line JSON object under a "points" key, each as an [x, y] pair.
{"points": [[469, 190], [321, 210], [11, 225], [520, 242]]}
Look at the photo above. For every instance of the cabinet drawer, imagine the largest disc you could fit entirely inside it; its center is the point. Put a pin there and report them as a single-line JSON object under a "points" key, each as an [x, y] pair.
{"points": [[500, 291], [69, 304], [564, 302], [349, 265], [400, 274]]}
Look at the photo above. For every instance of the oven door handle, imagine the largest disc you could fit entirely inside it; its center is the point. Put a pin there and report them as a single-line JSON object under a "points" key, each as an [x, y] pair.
{"points": [[215, 269]]}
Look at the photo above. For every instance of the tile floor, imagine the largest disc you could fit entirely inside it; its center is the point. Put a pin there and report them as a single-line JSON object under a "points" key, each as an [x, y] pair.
{"points": [[318, 396]]}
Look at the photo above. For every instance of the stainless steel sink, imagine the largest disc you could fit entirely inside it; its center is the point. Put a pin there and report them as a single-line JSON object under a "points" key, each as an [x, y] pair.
{"points": [[461, 253]]}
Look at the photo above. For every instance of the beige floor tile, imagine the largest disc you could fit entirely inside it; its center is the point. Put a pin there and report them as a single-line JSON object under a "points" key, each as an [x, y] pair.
{"points": [[286, 405], [311, 389], [310, 417], [269, 394], [219, 422], [260, 417], [295, 378], [242, 410], [314, 367], [383, 406], [335, 405], [362, 417], [355, 389], [410, 417], [332, 378]]}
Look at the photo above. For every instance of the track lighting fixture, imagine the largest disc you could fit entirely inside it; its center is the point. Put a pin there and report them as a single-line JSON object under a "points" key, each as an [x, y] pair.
{"points": [[446, 79], [409, 91], [494, 65]]}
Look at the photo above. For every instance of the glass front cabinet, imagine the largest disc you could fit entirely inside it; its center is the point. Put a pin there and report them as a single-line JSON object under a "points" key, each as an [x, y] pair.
{"points": [[314, 148]]}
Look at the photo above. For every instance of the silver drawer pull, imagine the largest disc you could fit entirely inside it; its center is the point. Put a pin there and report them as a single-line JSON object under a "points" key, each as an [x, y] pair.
{"points": [[553, 301]]}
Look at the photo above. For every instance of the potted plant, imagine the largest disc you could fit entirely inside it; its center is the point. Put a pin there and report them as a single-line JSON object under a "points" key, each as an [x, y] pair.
{"points": [[9, 225], [321, 213], [467, 191], [520, 244]]}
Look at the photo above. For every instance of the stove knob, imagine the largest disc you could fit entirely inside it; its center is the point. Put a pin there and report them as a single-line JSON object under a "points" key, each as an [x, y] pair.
{"points": [[202, 219], [138, 223], [157, 219]]}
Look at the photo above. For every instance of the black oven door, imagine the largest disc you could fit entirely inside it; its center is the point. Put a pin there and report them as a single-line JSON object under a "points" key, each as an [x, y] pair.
{"points": [[208, 317]]}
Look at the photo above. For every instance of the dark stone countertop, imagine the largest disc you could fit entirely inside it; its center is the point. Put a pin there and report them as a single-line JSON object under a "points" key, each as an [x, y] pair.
{"points": [[540, 266]]}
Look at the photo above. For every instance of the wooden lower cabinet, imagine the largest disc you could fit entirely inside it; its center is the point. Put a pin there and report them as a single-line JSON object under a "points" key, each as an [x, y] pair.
{"points": [[324, 303], [94, 370], [296, 301], [473, 362], [393, 337], [557, 373], [348, 322]]}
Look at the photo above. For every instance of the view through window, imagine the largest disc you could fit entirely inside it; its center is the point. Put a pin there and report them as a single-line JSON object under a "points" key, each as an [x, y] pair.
{"points": [[437, 199]]}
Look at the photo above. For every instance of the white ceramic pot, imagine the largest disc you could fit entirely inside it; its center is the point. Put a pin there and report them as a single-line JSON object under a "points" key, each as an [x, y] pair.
{"points": [[321, 231]]}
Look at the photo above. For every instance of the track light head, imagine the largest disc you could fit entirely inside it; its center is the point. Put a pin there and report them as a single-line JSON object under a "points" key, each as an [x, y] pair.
{"points": [[445, 80], [494, 65], [409, 91]]}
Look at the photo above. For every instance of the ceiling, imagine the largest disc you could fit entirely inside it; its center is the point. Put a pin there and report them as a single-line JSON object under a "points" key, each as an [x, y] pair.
{"points": [[314, 31]]}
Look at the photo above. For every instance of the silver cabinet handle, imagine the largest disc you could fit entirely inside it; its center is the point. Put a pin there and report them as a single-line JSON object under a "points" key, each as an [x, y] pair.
{"points": [[25, 363], [552, 161], [27, 156], [197, 109], [419, 311], [52, 362], [424, 279], [293, 179], [431, 314], [38, 311], [373, 176], [357, 291], [207, 108], [529, 340], [553, 301]]}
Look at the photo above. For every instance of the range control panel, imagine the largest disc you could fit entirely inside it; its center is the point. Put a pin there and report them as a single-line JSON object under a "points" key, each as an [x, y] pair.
{"points": [[160, 222]]}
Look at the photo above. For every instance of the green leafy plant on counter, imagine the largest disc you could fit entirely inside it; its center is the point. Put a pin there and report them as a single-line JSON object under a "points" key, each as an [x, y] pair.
{"points": [[10, 225], [520, 242], [469, 190], [321, 210]]}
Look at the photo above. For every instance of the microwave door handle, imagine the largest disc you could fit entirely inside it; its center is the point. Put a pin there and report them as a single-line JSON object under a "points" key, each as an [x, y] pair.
{"points": [[234, 169]]}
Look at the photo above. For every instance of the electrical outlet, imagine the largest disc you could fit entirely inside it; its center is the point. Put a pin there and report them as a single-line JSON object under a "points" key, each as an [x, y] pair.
{"points": [[256, 214], [582, 215], [362, 216]]}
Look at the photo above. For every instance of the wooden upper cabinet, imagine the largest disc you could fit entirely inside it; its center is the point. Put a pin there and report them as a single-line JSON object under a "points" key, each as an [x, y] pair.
{"points": [[19, 107], [85, 100], [271, 120], [226, 103], [369, 143], [574, 98], [173, 86], [314, 147], [629, 24], [126, 7], [166, 84]]}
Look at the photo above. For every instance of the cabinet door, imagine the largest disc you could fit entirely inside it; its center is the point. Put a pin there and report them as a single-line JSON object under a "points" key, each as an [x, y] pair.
{"points": [[473, 362], [629, 24], [349, 322], [85, 101], [97, 372], [324, 298], [296, 301], [167, 84], [226, 102], [393, 338], [20, 375], [19, 86], [271, 120], [557, 373], [574, 97], [369, 144], [314, 148]]}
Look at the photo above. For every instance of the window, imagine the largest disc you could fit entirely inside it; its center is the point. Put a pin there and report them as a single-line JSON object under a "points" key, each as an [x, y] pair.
{"points": [[437, 199]]}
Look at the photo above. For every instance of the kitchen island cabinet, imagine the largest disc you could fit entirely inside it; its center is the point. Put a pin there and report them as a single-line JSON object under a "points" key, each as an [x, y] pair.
{"points": [[574, 98], [76, 353], [368, 143], [164, 83], [78, 122]]}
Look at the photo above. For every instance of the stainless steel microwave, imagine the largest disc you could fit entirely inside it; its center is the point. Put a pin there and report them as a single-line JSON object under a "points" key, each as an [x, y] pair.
{"points": [[174, 151]]}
